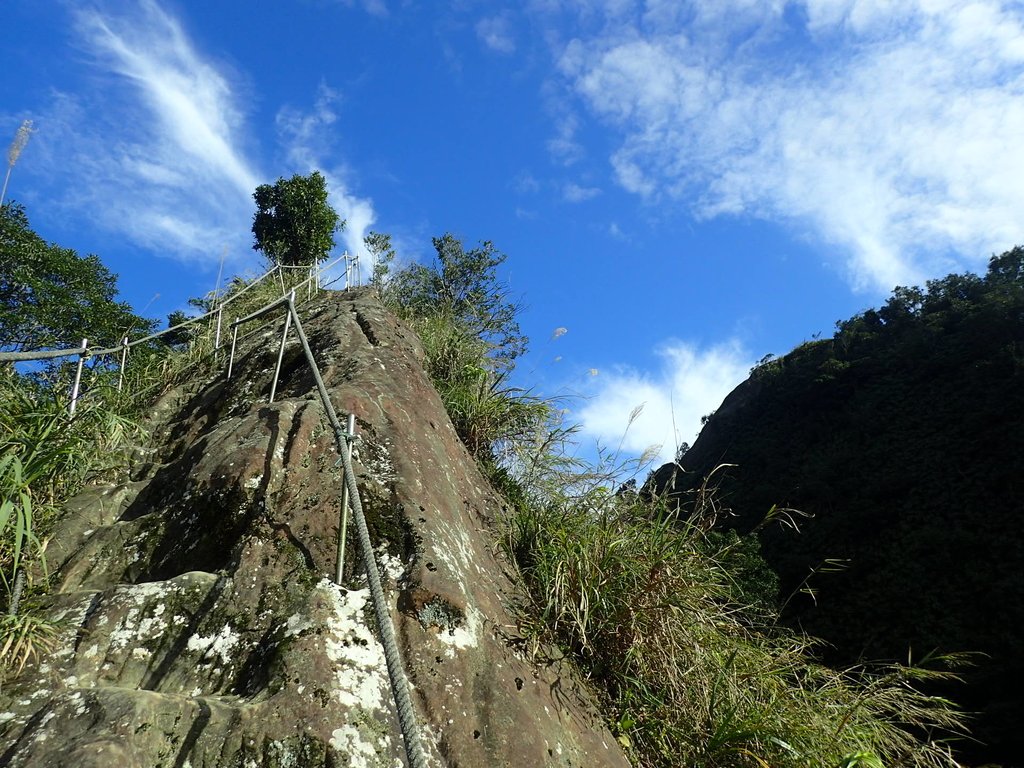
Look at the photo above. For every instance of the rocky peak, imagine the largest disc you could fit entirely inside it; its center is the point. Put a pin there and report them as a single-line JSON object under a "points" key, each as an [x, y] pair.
{"points": [[201, 625]]}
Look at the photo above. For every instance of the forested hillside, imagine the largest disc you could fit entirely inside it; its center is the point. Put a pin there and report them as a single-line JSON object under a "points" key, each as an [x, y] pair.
{"points": [[903, 437]]}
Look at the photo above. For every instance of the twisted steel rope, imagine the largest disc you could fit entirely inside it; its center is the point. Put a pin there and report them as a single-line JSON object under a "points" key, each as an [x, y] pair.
{"points": [[396, 672]]}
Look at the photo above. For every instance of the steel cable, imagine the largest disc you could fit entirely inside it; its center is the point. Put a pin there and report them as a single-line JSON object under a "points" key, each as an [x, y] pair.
{"points": [[396, 672]]}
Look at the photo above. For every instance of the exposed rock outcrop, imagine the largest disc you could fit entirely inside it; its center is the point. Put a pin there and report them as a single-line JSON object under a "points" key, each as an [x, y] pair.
{"points": [[201, 627]]}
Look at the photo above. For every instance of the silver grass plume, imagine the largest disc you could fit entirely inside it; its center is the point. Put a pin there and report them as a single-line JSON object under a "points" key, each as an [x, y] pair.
{"points": [[14, 152]]}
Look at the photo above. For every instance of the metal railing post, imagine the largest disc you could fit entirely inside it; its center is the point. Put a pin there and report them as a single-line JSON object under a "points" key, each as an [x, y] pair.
{"points": [[234, 341], [216, 340], [280, 353], [343, 520], [280, 276], [124, 359], [78, 377]]}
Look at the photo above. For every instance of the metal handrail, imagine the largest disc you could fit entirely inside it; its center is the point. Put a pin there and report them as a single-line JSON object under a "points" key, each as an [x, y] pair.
{"points": [[84, 352], [50, 354]]}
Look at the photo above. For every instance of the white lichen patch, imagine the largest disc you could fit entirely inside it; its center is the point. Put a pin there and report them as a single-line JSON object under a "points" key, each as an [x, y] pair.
{"points": [[134, 626], [77, 700], [465, 635], [361, 669], [351, 742], [253, 482], [379, 465], [296, 625], [392, 565], [220, 644], [141, 615], [361, 683]]}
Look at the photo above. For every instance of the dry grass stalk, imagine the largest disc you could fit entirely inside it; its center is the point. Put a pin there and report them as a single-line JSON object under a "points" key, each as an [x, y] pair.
{"points": [[20, 140]]}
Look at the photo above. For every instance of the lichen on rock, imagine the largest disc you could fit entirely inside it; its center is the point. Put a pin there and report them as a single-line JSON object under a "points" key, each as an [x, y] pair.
{"points": [[201, 627]]}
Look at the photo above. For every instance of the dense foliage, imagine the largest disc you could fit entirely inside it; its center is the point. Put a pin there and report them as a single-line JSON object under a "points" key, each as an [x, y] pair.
{"points": [[471, 339], [903, 436], [50, 297], [691, 673], [462, 284], [294, 223]]}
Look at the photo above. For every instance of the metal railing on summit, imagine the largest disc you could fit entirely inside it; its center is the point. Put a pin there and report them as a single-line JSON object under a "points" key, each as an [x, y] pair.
{"points": [[312, 285]]}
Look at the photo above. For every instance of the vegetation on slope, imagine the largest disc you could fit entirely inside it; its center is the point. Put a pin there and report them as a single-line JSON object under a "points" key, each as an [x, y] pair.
{"points": [[51, 298], [664, 616], [903, 436], [640, 597]]}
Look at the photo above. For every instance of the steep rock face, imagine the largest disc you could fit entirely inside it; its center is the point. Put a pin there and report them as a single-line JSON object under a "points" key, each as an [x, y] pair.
{"points": [[200, 625]]}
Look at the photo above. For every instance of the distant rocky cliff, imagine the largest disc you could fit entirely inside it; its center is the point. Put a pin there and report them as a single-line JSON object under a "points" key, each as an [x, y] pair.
{"points": [[201, 627]]}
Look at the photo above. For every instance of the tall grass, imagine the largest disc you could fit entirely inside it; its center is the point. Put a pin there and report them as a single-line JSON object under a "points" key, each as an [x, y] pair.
{"points": [[488, 414], [46, 456], [690, 675], [657, 609]]}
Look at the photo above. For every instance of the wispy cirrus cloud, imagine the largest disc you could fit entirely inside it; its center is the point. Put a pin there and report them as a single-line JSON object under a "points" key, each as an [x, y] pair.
{"points": [[689, 383], [496, 33], [575, 193], [890, 130], [306, 136], [155, 147], [158, 150]]}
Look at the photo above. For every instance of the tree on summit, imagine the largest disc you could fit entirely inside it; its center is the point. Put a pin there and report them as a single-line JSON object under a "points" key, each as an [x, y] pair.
{"points": [[294, 224]]}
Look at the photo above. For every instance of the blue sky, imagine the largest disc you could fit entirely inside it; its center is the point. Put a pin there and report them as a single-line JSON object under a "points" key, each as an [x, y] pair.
{"points": [[683, 186]]}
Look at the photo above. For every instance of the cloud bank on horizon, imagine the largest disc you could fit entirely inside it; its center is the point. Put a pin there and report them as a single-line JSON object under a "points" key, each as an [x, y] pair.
{"points": [[888, 129]]}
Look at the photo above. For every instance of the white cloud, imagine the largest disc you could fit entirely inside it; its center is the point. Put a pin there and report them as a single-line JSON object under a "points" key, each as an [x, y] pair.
{"points": [[574, 193], [526, 184], [165, 169], [307, 137], [372, 7], [690, 383], [563, 147], [496, 33], [889, 129]]}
